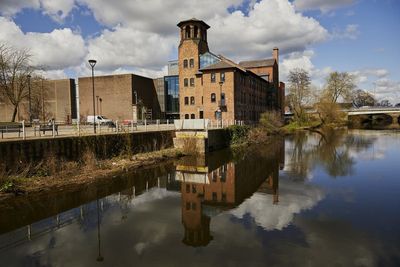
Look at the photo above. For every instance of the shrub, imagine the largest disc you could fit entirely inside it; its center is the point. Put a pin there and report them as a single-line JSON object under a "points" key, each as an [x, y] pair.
{"points": [[238, 133]]}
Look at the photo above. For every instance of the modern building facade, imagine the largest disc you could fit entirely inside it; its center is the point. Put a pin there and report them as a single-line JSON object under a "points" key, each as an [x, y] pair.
{"points": [[120, 97], [217, 88], [50, 99]]}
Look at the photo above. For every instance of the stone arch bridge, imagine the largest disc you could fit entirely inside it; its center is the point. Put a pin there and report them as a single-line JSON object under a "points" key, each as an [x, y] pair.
{"points": [[374, 118]]}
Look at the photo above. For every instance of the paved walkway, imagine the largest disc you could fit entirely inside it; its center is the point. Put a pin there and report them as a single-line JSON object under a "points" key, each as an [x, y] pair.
{"points": [[72, 130]]}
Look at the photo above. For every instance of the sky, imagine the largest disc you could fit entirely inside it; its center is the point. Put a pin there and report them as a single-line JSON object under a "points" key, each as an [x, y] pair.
{"points": [[361, 37]]}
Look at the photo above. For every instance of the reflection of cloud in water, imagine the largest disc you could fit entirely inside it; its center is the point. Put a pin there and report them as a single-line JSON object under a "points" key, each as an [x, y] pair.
{"points": [[293, 198], [152, 195]]}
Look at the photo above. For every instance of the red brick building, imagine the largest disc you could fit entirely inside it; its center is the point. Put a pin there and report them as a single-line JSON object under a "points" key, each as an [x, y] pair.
{"points": [[215, 87]]}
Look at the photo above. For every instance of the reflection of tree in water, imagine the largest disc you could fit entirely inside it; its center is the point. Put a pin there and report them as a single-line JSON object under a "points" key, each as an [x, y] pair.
{"points": [[331, 149]]}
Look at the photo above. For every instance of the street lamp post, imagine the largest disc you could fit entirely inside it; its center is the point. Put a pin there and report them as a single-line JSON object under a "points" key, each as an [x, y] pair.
{"points": [[30, 100], [92, 63], [220, 102], [97, 104]]}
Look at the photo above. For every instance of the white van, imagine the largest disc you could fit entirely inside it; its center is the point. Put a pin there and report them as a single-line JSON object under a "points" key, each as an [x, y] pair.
{"points": [[98, 119]]}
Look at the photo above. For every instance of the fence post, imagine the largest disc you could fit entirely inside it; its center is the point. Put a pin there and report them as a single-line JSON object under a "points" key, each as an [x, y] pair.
{"points": [[99, 126], [23, 130], [158, 124], [145, 125], [79, 128], [53, 127], [116, 126]]}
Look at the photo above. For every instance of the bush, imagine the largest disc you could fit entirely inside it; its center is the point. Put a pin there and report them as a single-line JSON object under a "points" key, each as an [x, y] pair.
{"points": [[238, 134], [271, 121]]}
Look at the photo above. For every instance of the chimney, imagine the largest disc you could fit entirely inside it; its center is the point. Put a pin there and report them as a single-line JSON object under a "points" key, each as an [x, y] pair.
{"points": [[275, 54]]}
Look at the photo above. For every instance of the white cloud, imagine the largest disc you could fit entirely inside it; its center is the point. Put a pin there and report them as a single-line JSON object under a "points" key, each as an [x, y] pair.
{"points": [[323, 5], [293, 199], [125, 46], [145, 35], [56, 9], [58, 49], [350, 32], [259, 32], [11, 7]]}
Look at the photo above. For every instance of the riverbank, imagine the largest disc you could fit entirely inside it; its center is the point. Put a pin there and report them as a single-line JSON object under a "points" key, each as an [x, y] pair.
{"points": [[51, 176]]}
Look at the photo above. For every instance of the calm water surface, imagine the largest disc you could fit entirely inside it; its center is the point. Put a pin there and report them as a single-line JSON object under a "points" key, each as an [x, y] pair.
{"points": [[303, 201]]}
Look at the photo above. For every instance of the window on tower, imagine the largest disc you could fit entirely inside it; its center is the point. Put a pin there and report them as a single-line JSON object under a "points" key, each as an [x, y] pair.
{"points": [[213, 77], [187, 31], [191, 82], [185, 63], [191, 63], [185, 82]]}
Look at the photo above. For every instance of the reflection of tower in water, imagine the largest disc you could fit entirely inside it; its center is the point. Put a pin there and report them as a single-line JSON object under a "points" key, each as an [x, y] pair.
{"points": [[217, 183]]}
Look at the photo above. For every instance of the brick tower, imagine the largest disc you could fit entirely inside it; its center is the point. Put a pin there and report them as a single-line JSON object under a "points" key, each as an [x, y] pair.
{"points": [[193, 43]]}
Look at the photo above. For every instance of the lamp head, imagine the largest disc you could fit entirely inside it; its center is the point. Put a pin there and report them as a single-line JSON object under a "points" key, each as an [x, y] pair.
{"points": [[92, 62]]}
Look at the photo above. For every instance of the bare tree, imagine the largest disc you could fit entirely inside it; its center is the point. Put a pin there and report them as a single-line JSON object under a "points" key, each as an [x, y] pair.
{"points": [[299, 92], [339, 84], [363, 98], [15, 68]]}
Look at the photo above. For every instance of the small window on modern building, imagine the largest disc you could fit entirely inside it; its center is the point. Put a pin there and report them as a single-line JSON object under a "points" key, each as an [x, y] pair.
{"points": [[192, 116], [186, 82], [213, 98], [185, 63], [192, 100], [213, 77], [192, 82], [191, 63], [186, 100], [222, 77]]}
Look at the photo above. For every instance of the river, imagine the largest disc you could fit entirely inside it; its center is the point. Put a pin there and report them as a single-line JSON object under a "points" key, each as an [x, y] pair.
{"points": [[306, 200]]}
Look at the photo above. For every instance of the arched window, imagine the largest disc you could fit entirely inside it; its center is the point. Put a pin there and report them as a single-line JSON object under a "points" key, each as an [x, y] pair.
{"points": [[185, 63], [185, 82], [191, 63], [192, 82], [196, 32], [192, 116], [213, 98], [187, 31], [192, 100], [186, 100], [186, 116]]}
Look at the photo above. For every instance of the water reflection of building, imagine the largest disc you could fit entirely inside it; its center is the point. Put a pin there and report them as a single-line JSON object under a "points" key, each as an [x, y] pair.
{"points": [[219, 182]]}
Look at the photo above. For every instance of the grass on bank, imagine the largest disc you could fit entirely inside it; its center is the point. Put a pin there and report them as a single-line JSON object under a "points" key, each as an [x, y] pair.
{"points": [[52, 171]]}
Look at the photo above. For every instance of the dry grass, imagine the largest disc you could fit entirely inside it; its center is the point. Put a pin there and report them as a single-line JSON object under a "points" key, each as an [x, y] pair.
{"points": [[190, 146]]}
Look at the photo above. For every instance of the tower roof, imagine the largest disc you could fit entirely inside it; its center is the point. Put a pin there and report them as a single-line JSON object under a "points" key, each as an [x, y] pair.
{"points": [[193, 20]]}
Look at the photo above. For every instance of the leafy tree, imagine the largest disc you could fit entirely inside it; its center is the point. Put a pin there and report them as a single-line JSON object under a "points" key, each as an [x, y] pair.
{"points": [[15, 68], [339, 84], [299, 93], [363, 98]]}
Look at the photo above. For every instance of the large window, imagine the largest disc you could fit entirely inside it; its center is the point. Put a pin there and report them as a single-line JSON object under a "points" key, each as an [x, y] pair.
{"points": [[213, 77], [192, 116], [185, 63], [186, 82], [191, 63], [186, 116], [186, 100], [213, 98], [172, 94], [192, 82]]}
